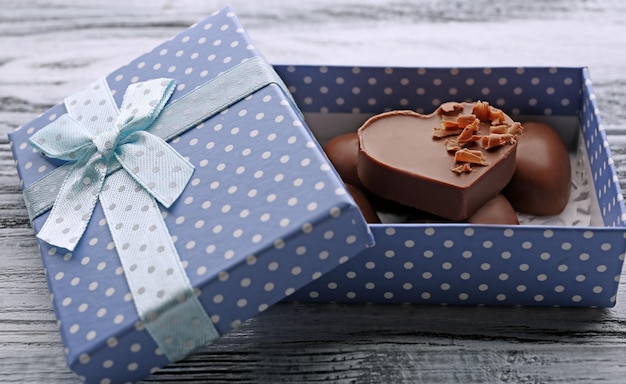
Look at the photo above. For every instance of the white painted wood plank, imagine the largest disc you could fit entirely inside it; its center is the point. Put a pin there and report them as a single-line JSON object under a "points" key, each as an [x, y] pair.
{"points": [[51, 48]]}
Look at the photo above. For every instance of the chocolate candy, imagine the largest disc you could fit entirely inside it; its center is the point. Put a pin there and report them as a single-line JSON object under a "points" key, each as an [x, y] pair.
{"points": [[343, 153], [496, 211], [364, 204], [542, 179], [448, 163]]}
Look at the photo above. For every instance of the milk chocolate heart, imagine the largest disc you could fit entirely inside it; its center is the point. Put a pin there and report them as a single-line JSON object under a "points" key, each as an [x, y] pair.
{"points": [[448, 163]]}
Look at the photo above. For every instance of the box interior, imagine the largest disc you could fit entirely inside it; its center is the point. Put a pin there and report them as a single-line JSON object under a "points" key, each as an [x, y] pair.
{"points": [[540, 263], [338, 99]]}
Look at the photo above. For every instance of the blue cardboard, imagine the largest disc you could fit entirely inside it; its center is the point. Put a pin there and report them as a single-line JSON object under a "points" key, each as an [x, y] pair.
{"points": [[541, 264], [263, 215]]}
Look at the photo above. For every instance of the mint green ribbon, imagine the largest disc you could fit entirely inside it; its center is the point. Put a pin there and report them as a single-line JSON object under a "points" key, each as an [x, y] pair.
{"points": [[121, 158], [177, 117], [90, 138]]}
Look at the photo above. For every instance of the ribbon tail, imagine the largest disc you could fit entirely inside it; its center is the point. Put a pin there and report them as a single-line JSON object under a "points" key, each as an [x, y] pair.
{"points": [[74, 203], [162, 294]]}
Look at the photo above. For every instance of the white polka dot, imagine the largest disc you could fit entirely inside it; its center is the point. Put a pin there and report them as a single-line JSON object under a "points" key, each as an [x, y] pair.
{"points": [[112, 342], [90, 335], [84, 358]]}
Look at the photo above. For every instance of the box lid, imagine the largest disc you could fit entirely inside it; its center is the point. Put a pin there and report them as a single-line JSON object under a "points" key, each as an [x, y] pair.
{"points": [[262, 215]]}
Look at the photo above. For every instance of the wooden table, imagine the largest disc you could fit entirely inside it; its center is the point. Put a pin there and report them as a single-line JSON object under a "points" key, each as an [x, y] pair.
{"points": [[52, 48]]}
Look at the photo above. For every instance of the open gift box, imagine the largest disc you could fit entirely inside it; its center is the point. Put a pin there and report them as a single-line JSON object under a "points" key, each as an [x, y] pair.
{"points": [[572, 259], [180, 196]]}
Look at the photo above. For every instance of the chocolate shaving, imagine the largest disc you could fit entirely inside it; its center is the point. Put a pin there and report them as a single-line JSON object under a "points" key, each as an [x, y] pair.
{"points": [[497, 139], [481, 110], [501, 128], [462, 168], [496, 116], [515, 129], [452, 145], [466, 138], [468, 120], [465, 155], [440, 132], [451, 107]]}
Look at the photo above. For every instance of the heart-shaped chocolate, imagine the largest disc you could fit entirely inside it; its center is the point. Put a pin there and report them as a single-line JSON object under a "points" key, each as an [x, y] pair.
{"points": [[448, 163]]}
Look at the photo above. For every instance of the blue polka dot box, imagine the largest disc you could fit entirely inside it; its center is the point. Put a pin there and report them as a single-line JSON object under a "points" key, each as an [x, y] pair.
{"points": [[571, 259], [177, 197]]}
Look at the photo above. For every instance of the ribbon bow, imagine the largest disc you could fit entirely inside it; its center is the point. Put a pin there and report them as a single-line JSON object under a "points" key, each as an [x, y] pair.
{"points": [[98, 144]]}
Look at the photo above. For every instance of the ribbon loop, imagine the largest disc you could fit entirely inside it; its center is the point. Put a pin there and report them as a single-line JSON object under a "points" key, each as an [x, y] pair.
{"points": [[63, 139]]}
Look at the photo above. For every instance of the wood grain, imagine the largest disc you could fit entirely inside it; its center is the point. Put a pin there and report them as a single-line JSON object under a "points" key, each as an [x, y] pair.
{"points": [[51, 48]]}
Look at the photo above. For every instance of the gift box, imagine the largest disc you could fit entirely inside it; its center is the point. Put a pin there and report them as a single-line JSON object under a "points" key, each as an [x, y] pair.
{"points": [[178, 196], [572, 259]]}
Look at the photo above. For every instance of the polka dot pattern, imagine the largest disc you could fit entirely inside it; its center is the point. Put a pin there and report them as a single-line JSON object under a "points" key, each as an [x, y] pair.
{"points": [[604, 174], [477, 265], [519, 91], [470, 264], [263, 214]]}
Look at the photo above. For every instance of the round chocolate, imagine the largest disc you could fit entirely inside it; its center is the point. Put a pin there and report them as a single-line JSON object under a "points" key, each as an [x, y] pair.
{"points": [[364, 204], [542, 179], [343, 153], [496, 211]]}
